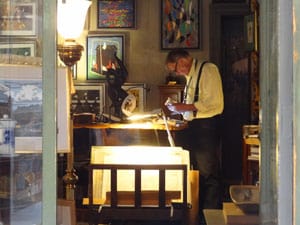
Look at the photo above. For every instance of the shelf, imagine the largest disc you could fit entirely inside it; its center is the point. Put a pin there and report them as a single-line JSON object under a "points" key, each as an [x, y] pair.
{"points": [[250, 155]]}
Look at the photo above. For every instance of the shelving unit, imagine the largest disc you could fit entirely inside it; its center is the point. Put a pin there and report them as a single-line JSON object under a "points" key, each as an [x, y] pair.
{"points": [[251, 151]]}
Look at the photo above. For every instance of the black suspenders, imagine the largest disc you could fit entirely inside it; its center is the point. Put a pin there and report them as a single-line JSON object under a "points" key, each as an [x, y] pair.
{"points": [[196, 97]]}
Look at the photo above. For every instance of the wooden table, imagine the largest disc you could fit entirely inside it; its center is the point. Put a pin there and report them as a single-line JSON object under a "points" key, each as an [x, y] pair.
{"points": [[139, 125], [131, 127], [113, 134]]}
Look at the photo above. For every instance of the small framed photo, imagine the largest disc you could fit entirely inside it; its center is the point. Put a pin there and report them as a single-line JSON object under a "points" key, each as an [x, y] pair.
{"points": [[88, 99], [116, 14], [18, 18], [181, 24], [66, 214], [100, 54], [139, 91], [251, 32], [18, 48]]}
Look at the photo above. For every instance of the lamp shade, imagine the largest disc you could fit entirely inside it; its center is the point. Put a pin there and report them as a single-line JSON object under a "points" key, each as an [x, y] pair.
{"points": [[71, 17]]}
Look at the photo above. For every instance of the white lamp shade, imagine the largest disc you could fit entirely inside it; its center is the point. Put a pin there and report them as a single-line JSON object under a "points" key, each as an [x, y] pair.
{"points": [[71, 17]]}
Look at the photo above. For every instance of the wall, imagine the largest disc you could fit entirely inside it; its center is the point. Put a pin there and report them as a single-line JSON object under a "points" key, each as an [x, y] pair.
{"points": [[143, 57]]}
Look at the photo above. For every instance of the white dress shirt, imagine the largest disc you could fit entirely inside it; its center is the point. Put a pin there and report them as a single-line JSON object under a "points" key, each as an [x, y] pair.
{"points": [[210, 97]]}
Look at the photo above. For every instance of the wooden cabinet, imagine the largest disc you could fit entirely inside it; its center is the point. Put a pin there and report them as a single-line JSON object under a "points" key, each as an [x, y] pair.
{"points": [[175, 92]]}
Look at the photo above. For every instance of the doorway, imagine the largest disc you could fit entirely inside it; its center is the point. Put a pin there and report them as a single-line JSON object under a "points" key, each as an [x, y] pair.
{"points": [[227, 48]]}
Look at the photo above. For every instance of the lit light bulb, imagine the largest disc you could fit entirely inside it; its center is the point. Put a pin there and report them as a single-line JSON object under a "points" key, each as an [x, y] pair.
{"points": [[71, 17]]}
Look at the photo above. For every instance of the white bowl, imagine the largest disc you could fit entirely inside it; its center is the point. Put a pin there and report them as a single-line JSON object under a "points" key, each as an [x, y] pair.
{"points": [[246, 197]]}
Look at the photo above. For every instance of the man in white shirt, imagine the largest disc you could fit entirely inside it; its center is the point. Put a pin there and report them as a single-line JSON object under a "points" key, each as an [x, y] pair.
{"points": [[202, 105]]}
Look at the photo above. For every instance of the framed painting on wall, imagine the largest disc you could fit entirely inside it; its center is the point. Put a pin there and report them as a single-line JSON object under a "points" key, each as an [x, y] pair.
{"points": [[139, 92], [181, 24], [101, 51], [22, 100], [24, 49], [249, 32], [18, 18], [116, 14], [88, 98]]}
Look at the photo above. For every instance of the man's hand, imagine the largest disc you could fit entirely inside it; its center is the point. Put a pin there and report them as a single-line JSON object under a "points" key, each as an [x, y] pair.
{"points": [[180, 107]]}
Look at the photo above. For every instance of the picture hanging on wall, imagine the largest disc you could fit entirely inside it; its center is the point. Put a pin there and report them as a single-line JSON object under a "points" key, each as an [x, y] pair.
{"points": [[250, 33], [25, 48], [22, 100], [251, 28], [116, 14], [139, 92], [18, 18], [88, 99], [181, 24], [101, 52]]}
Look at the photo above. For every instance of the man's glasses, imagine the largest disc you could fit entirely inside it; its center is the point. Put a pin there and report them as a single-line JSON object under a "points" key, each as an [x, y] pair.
{"points": [[173, 69]]}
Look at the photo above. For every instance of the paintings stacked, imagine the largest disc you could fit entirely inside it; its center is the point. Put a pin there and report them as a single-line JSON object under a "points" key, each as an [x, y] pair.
{"points": [[18, 21]]}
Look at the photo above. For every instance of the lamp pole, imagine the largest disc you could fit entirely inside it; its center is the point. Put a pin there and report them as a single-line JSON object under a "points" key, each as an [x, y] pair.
{"points": [[70, 22], [70, 53]]}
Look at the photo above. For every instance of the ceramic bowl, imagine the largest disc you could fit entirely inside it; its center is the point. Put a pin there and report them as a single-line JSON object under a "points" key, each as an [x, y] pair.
{"points": [[246, 197]]}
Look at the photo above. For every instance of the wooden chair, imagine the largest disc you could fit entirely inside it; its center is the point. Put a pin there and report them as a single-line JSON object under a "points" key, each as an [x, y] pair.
{"points": [[138, 205]]}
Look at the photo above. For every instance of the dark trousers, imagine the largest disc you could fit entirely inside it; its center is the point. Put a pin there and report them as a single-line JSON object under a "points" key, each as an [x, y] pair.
{"points": [[202, 139]]}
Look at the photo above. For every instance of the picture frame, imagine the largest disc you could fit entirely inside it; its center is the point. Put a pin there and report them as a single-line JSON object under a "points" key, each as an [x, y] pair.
{"points": [[249, 32], [66, 212], [18, 18], [21, 91], [24, 48], [88, 98], [116, 14], [179, 31], [98, 60], [139, 91]]}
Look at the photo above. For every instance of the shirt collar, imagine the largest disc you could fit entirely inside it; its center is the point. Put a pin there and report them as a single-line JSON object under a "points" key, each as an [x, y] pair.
{"points": [[192, 69]]}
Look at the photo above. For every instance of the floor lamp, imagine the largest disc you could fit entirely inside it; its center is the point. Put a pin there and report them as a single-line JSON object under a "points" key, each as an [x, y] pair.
{"points": [[70, 22]]}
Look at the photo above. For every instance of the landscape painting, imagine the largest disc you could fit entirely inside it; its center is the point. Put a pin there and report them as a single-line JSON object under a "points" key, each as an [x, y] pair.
{"points": [[21, 100], [24, 97]]}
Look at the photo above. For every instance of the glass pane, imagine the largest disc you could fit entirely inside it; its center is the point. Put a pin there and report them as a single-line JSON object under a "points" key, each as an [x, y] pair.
{"points": [[20, 189], [20, 112]]}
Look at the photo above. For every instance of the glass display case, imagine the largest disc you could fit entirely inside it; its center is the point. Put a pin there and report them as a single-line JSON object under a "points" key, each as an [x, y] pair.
{"points": [[20, 188], [22, 37]]}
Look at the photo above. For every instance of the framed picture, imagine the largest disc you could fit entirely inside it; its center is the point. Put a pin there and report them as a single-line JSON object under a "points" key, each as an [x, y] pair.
{"points": [[181, 24], [88, 99], [249, 32], [139, 91], [18, 18], [24, 49], [65, 212], [21, 99], [116, 14], [100, 54]]}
